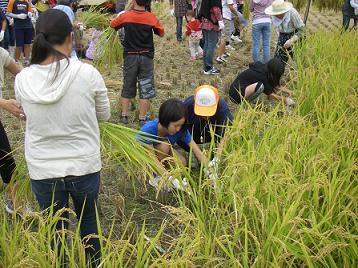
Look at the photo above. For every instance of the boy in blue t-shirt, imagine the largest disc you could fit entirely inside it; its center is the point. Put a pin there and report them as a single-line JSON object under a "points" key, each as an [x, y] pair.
{"points": [[168, 129]]}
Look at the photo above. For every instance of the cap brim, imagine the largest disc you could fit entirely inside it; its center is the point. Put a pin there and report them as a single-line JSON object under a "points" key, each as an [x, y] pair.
{"points": [[270, 12], [205, 110]]}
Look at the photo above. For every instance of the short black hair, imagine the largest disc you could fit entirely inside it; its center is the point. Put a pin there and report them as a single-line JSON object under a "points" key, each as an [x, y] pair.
{"points": [[143, 3], [275, 70], [172, 110]]}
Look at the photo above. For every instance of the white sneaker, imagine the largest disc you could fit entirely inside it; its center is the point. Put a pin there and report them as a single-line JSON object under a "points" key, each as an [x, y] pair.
{"points": [[180, 185], [236, 39], [230, 47], [221, 59]]}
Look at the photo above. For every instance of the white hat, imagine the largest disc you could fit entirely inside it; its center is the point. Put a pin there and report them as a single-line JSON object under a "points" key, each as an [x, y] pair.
{"points": [[278, 7], [206, 100]]}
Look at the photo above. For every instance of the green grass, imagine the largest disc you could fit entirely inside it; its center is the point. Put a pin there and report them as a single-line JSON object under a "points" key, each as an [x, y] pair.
{"points": [[287, 193]]}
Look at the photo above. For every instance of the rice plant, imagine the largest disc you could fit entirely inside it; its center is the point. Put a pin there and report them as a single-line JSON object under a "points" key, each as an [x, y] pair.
{"points": [[93, 18], [109, 50]]}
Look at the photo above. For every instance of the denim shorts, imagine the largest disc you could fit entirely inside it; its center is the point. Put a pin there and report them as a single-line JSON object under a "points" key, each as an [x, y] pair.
{"points": [[138, 70]]}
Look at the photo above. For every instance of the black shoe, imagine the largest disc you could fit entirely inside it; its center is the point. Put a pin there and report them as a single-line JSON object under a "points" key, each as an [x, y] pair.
{"points": [[124, 119]]}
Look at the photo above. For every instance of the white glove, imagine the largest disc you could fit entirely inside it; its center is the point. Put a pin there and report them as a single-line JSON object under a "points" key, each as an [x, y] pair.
{"points": [[44, 1], [221, 25], [290, 41], [80, 27], [29, 14], [2, 33], [21, 16], [172, 12], [11, 21], [289, 101]]}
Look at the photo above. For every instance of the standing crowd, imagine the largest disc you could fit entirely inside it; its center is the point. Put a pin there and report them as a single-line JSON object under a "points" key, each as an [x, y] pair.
{"points": [[62, 98]]}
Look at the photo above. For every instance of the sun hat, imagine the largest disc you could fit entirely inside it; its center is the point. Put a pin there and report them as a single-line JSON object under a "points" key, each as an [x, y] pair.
{"points": [[278, 7], [206, 100]]}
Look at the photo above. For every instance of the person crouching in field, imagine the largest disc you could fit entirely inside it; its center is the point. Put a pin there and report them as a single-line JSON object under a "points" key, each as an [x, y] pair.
{"points": [[138, 66], [193, 30], [206, 111], [168, 130], [63, 100], [257, 79], [289, 25], [350, 11]]}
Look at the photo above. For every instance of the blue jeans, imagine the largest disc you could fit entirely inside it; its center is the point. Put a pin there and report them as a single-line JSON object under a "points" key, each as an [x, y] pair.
{"points": [[84, 192], [259, 29], [179, 28], [210, 41]]}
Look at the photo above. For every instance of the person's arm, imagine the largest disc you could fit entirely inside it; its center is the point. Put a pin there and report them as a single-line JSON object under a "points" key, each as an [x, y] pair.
{"points": [[354, 3], [158, 29], [287, 100], [197, 152], [103, 111], [233, 10], [13, 107], [118, 21], [13, 68]]}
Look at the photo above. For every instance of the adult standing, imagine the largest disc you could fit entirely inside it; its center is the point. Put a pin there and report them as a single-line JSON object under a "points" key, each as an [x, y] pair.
{"points": [[290, 26], [212, 23], [350, 11], [20, 11], [7, 162], [261, 27], [180, 9], [63, 100]]}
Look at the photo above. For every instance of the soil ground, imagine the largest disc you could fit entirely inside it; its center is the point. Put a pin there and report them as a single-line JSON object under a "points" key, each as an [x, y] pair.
{"points": [[125, 201]]}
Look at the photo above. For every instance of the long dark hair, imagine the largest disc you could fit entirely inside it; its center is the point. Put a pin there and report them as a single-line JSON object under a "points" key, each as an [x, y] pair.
{"points": [[275, 69], [52, 28]]}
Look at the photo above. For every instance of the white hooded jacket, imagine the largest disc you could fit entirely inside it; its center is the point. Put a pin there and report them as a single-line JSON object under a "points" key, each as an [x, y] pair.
{"points": [[62, 132]]}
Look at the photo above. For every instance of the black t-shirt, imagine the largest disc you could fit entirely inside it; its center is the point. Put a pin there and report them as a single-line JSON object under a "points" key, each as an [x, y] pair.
{"points": [[257, 72]]}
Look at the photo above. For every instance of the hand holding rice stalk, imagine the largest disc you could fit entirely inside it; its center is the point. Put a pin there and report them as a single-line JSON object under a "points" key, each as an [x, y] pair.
{"points": [[109, 50], [93, 18]]}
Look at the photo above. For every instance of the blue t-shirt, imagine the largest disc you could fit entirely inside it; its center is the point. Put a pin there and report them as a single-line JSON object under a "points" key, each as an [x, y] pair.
{"points": [[151, 127]]}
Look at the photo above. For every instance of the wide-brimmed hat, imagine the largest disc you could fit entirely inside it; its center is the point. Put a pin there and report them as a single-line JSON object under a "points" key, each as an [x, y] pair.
{"points": [[206, 100], [278, 7]]}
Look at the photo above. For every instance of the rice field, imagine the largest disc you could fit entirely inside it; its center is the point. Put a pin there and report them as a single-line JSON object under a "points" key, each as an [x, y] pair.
{"points": [[286, 193]]}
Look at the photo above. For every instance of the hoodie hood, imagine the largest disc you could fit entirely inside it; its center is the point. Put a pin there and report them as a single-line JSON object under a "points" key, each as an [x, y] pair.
{"points": [[258, 67], [36, 84]]}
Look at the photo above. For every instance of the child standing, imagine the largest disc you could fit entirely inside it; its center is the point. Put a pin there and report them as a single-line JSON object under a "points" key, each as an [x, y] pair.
{"points": [[193, 30], [138, 66]]}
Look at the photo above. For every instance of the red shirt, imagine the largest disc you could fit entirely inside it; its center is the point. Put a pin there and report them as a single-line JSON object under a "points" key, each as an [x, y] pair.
{"points": [[194, 25], [138, 27]]}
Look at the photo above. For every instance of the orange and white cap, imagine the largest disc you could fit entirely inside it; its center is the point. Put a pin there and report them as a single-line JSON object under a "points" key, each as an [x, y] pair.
{"points": [[206, 100]]}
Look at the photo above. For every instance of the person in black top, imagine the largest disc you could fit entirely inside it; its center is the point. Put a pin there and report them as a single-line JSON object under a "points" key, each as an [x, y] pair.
{"points": [[349, 13], [206, 110], [258, 78]]}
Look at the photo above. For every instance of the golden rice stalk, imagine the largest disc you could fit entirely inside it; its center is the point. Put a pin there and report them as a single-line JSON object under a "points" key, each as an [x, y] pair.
{"points": [[93, 18], [109, 50]]}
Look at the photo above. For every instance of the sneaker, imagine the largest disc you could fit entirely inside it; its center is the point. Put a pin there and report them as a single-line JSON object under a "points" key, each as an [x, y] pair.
{"points": [[124, 119], [226, 55], [212, 71], [236, 39], [221, 59], [179, 185], [142, 122], [26, 63], [155, 182], [230, 47], [9, 204]]}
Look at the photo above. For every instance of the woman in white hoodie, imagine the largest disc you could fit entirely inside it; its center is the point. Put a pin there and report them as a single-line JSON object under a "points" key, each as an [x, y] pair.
{"points": [[63, 101]]}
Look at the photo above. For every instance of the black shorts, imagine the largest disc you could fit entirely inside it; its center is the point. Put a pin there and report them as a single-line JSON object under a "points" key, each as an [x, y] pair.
{"points": [[23, 37], [138, 69], [236, 94]]}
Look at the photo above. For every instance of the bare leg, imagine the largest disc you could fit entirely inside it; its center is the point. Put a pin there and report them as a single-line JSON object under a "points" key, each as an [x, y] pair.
{"points": [[125, 105], [144, 105], [27, 50], [17, 53]]}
